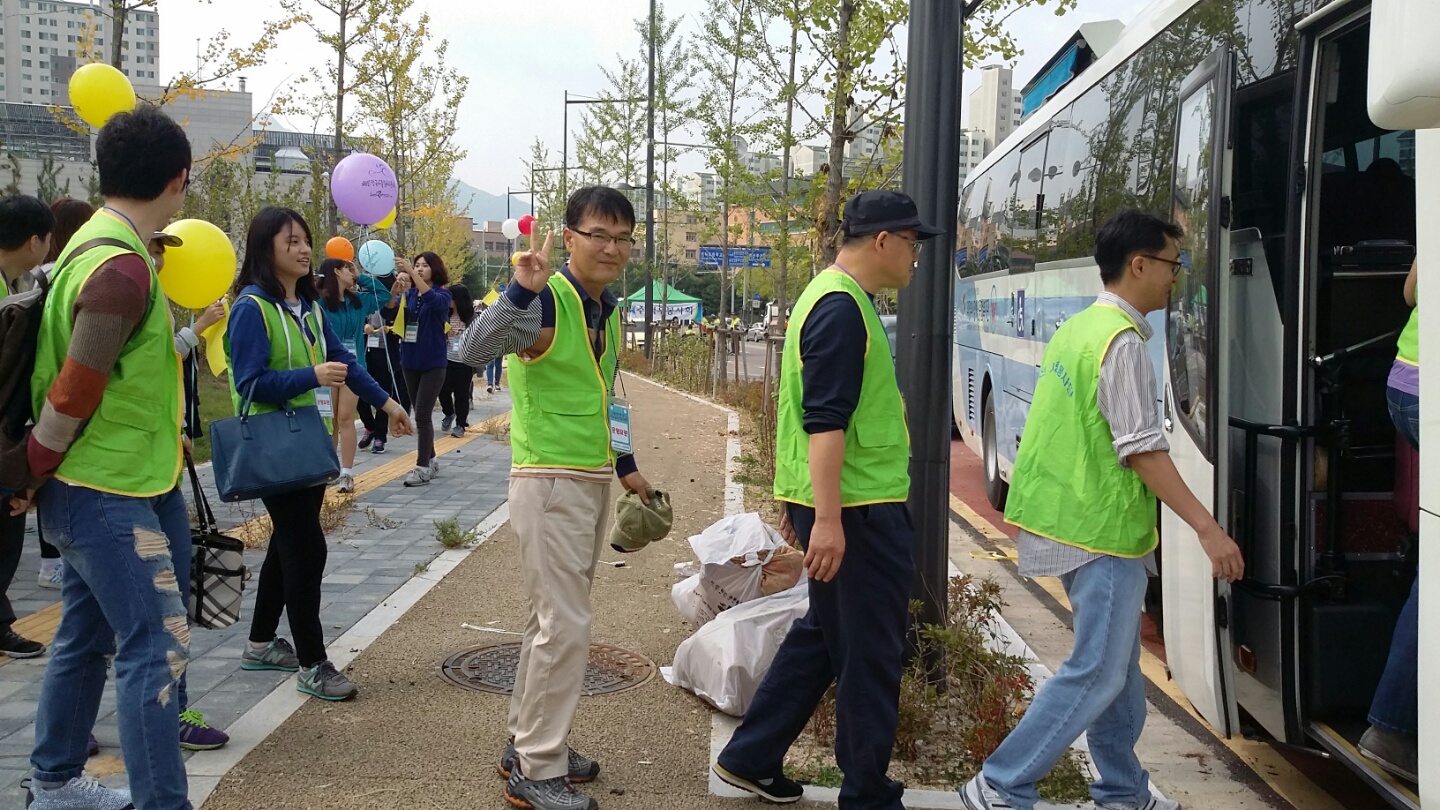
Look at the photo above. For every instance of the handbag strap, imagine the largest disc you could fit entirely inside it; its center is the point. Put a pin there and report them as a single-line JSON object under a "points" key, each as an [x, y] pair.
{"points": [[202, 504]]}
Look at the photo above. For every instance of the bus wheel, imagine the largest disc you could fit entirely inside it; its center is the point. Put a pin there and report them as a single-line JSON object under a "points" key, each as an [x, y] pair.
{"points": [[996, 488]]}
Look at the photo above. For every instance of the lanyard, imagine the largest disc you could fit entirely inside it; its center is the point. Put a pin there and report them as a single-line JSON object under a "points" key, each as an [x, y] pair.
{"points": [[128, 221], [285, 317]]}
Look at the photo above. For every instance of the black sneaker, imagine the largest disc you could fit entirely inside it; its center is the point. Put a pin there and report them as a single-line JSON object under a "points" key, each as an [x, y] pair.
{"points": [[365, 439], [778, 789], [17, 646], [379, 447]]}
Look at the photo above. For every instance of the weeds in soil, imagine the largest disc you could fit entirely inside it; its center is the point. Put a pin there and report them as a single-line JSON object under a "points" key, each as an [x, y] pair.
{"points": [[421, 567], [496, 427], [824, 776], [336, 511], [948, 726], [378, 521], [450, 536]]}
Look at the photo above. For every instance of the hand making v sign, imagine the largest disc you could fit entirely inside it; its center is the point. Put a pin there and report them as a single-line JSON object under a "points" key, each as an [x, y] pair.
{"points": [[532, 268]]}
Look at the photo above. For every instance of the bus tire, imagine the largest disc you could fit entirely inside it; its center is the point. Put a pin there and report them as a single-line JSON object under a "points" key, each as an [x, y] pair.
{"points": [[996, 488]]}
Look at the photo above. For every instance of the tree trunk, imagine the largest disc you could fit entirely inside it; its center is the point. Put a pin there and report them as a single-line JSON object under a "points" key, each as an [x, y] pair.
{"points": [[829, 218], [785, 171], [117, 34]]}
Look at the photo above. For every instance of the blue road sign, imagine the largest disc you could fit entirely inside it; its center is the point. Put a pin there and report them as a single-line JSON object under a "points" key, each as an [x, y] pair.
{"points": [[739, 256]]}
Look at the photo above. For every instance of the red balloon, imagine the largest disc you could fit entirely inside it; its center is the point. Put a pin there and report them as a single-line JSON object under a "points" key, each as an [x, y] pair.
{"points": [[527, 225]]}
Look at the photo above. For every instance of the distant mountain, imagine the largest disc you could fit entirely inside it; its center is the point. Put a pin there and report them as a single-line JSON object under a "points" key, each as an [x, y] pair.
{"points": [[482, 205]]}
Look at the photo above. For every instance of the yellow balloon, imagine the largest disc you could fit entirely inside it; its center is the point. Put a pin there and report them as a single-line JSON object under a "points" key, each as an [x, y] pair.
{"points": [[198, 272], [385, 223], [515, 259], [98, 91]]}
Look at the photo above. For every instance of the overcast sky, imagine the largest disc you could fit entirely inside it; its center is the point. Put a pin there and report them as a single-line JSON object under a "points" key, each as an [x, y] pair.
{"points": [[521, 57]]}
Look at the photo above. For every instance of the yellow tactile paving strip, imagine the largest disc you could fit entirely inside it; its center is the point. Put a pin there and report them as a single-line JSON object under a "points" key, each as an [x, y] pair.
{"points": [[41, 625]]}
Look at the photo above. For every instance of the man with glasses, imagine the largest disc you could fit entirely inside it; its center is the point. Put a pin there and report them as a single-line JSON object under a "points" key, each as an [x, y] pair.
{"points": [[1092, 461], [564, 330], [842, 459]]}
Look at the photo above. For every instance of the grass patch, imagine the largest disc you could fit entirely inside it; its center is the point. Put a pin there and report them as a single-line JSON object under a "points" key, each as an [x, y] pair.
{"points": [[825, 776], [214, 404], [496, 427], [448, 533], [421, 567]]}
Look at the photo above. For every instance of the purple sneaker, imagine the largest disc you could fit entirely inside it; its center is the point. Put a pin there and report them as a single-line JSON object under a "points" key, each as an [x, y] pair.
{"points": [[196, 735]]}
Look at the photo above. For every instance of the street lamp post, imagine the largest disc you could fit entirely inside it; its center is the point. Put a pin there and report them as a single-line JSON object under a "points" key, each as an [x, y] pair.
{"points": [[565, 125], [650, 192]]}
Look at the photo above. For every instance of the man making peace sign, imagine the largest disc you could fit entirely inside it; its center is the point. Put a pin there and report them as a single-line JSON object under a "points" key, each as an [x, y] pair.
{"points": [[564, 331]]}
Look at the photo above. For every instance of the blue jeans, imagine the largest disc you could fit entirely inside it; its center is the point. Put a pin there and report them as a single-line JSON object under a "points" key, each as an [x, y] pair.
{"points": [[492, 373], [1396, 705], [1098, 691], [127, 563]]}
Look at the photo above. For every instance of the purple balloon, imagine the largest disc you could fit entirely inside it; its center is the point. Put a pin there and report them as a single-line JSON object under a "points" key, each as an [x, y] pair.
{"points": [[364, 188]]}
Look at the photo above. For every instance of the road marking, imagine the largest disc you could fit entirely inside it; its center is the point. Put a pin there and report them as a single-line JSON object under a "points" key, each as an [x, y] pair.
{"points": [[1261, 758]]}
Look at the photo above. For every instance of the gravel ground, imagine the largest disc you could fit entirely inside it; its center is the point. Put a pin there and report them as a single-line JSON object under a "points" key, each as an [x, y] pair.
{"points": [[411, 740]]}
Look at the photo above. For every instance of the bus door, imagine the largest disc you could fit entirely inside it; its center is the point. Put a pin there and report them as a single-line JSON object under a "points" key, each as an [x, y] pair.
{"points": [[1195, 407]]}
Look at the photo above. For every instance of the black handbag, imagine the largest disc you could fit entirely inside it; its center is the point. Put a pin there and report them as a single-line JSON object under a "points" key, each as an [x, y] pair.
{"points": [[217, 566], [259, 455]]}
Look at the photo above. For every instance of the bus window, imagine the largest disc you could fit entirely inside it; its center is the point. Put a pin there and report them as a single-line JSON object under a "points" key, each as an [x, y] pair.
{"points": [[999, 213], [1188, 322], [1025, 237]]}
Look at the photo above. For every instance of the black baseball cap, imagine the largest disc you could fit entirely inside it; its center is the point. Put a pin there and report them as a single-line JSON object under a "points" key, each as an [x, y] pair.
{"points": [[880, 210]]}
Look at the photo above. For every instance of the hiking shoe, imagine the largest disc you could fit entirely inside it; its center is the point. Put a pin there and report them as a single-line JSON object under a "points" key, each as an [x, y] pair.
{"points": [[458, 431], [419, 477], [582, 768], [52, 574], [366, 437], [1155, 803], [446, 423], [546, 794], [17, 646], [1396, 753], [197, 735], [978, 795], [277, 655], [326, 682], [80, 793], [778, 789], [345, 483], [379, 447]]}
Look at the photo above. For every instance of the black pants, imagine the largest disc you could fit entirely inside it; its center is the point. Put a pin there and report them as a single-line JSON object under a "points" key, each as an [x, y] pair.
{"points": [[424, 387], [455, 393], [47, 551], [12, 544], [853, 636], [374, 419], [290, 577]]}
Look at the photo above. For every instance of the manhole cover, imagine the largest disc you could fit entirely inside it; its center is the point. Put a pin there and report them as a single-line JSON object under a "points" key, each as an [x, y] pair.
{"points": [[492, 669]]}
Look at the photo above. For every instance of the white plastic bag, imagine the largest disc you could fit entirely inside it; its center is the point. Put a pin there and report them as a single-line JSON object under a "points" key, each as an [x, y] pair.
{"points": [[724, 662], [732, 554]]}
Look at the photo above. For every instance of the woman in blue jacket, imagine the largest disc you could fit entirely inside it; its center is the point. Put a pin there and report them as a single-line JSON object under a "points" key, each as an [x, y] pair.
{"points": [[283, 349], [422, 351], [350, 297]]}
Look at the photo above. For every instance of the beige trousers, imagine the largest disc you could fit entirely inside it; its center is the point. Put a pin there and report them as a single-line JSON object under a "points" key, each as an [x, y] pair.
{"points": [[560, 526]]}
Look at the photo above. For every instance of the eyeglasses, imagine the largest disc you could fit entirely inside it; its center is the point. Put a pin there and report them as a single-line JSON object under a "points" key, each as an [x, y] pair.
{"points": [[603, 240], [1175, 264], [915, 244]]}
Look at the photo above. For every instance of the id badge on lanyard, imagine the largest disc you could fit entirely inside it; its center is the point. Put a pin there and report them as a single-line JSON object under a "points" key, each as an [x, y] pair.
{"points": [[372, 340], [322, 402], [620, 425], [411, 330], [322, 393], [349, 346]]}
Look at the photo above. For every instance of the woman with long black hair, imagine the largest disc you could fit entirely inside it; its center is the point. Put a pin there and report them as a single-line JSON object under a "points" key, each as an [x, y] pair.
{"points": [[422, 351], [283, 350], [350, 298], [455, 393]]}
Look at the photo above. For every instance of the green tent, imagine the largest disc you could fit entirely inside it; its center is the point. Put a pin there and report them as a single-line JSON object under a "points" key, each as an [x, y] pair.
{"points": [[678, 304]]}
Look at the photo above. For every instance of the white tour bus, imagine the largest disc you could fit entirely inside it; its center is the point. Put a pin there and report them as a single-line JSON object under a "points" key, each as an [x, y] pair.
{"points": [[1255, 124]]}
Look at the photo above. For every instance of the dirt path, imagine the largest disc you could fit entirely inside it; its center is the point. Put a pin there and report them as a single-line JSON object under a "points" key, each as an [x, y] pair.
{"points": [[414, 741]]}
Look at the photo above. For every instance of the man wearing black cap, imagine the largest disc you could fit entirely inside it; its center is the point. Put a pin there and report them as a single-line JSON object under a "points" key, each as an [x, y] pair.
{"points": [[842, 472]]}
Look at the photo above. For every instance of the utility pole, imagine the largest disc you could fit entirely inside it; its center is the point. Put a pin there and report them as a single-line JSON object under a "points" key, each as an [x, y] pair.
{"points": [[925, 326], [650, 195]]}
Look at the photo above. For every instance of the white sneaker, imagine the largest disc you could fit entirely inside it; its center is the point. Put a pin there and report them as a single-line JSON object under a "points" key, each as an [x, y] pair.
{"points": [[978, 795], [345, 483], [419, 477], [80, 792], [1155, 803], [434, 468], [52, 574]]}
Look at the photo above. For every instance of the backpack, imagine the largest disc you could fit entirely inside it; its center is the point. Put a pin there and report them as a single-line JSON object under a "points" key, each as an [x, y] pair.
{"points": [[20, 315]]}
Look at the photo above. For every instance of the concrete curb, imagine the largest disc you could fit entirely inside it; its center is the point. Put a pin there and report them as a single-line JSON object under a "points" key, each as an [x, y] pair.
{"points": [[260, 722]]}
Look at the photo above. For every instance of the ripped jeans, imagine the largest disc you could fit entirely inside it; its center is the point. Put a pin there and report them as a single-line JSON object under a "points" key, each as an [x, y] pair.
{"points": [[121, 597]]}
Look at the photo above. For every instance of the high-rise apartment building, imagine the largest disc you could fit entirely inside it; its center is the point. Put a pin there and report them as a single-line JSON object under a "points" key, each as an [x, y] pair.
{"points": [[995, 105], [41, 39]]}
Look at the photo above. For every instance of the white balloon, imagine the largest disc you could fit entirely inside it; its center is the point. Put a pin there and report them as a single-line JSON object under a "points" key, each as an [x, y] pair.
{"points": [[511, 228]]}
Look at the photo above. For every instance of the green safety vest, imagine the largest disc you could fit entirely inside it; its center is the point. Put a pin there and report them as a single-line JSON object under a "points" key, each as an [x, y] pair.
{"points": [[131, 446], [1068, 484], [561, 398], [877, 440], [1407, 348], [290, 348]]}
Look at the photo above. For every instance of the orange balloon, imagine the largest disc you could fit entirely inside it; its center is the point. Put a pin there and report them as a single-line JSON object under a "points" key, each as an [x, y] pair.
{"points": [[340, 248]]}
